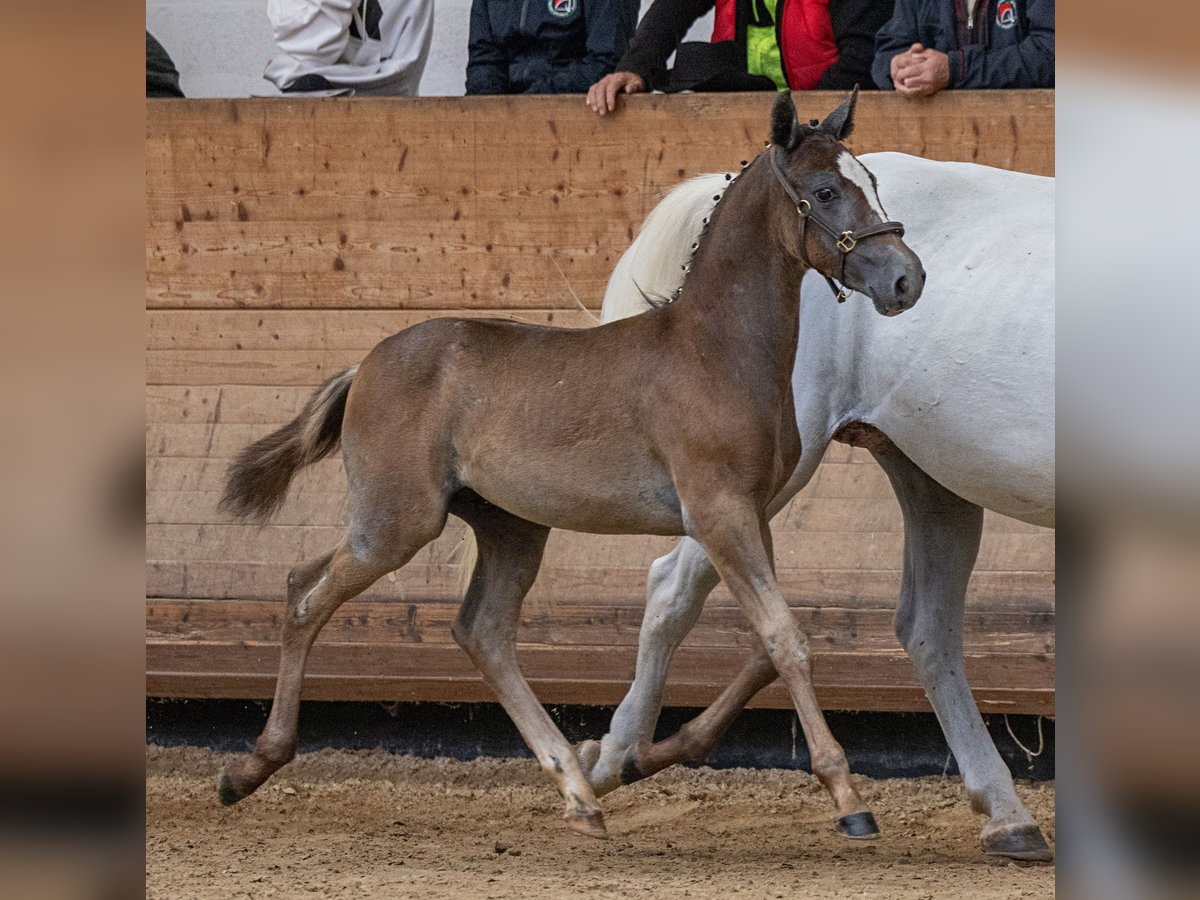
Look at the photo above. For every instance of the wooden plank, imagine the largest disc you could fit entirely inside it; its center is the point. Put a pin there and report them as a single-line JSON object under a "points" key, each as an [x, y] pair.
{"points": [[623, 583], [838, 550], [252, 265], [354, 670], [445, 689], [323, 329], [475, 202], [830, 629]]}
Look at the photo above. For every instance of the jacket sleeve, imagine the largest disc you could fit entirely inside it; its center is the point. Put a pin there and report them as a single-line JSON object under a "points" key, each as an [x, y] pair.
{"points": [[609, 24], [897, 35], [315, 34], [658, 35], [1027, 64], [487, 65], [855, 24]]}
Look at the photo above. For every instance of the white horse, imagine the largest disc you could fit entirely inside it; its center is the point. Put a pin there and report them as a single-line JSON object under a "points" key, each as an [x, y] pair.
{"points": [[955, 399]]}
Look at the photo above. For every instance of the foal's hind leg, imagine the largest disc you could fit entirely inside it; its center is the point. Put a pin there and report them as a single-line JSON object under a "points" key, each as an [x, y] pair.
{"points": [[510, 553], [941, 540], [315, 591]]}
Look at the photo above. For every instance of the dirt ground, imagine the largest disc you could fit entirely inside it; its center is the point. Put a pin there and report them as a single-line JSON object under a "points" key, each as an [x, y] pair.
{"points": [[369, 824]]}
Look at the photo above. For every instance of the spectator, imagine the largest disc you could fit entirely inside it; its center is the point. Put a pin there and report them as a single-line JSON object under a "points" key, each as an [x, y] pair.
{"points": [[546, 46], [816, 44], [349, 46], [930, 45], [162, 78]]}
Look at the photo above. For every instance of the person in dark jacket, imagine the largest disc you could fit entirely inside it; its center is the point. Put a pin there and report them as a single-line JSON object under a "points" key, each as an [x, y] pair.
{"points": [[756, 45], [930, 45], [545, 46], [162, 78]]}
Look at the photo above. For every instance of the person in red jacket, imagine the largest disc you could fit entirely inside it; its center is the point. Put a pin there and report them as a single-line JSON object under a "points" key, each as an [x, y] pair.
{"points": [[756, 45]]}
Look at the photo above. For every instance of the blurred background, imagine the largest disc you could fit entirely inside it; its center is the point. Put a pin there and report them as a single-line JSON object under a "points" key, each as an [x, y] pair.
{"points": [[71, 656], [71, 247], [1128, 116]]}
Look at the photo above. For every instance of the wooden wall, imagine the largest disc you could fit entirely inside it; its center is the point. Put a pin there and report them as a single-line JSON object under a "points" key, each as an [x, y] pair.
{"points": [[284, 238]]}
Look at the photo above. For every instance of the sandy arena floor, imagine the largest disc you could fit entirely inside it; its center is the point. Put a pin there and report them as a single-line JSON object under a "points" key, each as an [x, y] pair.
{"points": [[342, 824]]}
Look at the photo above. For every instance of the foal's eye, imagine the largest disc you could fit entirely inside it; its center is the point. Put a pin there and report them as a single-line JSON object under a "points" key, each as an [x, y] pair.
{"points": [[824, 195]]}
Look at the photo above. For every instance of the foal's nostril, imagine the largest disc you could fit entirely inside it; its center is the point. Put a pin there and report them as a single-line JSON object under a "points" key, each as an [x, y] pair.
{"points": [[901, 286]]}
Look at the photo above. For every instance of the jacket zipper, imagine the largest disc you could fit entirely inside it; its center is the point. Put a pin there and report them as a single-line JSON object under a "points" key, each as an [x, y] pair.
{"points": [[524, 10], [963, 8], [779, 5]]}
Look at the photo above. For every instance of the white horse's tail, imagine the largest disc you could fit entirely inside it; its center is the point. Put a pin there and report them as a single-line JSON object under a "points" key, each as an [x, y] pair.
{"points": [[651, 270]]}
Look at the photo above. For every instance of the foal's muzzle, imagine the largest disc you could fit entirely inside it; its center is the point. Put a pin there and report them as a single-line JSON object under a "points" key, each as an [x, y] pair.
{"points": [[889, 273]]}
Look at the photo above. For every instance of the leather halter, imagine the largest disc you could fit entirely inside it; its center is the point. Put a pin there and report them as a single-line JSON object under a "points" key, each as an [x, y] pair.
{"points": [[846, 240]]}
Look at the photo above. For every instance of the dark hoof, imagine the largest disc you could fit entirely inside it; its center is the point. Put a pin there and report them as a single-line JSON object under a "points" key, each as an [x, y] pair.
{"points": [[590, 824], [629, 769], [1023, 842], [226, 792], [861, 826]]}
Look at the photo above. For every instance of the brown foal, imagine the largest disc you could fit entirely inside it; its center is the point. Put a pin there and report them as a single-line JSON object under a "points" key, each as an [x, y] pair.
{"points": [[680, 421]]}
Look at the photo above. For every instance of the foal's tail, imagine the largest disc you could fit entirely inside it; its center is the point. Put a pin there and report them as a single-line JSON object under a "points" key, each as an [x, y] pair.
{"points": [[258, 480]]}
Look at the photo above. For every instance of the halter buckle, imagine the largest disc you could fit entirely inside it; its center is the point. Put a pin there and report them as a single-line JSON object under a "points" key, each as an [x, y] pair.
{"points": [[803, 208], [846, 242]]}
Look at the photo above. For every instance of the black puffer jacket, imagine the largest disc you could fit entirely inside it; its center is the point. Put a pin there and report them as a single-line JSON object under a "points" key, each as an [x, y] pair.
{"points": [[1010, 43], [546, 46]]}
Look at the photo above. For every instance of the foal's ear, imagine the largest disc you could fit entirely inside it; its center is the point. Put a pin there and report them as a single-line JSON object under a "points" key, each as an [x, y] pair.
{"points": [[786, 132], [840, 122]]}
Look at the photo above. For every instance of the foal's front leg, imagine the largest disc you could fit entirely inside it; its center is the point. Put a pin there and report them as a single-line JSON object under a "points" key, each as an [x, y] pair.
{"points": [[737, 539]]}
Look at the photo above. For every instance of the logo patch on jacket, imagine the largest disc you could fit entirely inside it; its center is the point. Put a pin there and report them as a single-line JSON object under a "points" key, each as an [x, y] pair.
{"points": [[562, 8], [1006, 14]]}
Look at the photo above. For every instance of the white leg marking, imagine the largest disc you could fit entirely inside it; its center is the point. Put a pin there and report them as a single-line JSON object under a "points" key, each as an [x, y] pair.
{"points": [[302, 606]]}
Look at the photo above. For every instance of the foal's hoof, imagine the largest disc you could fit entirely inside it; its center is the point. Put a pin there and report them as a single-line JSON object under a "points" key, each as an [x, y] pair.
{"points": [[226, 792], [860, 826], [1023, 842], [591, 824]]}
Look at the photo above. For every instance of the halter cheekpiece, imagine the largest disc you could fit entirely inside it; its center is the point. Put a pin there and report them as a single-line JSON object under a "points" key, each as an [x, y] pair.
{"points": [[846, 240]]}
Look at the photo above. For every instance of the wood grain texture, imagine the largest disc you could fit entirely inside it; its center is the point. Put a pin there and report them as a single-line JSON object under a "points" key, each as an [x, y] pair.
{"points": [[285, 238], [480, 203], [384, 650]]}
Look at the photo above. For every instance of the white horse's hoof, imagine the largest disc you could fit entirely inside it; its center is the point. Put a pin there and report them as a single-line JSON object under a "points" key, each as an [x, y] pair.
{"points": [[1022, 842]]}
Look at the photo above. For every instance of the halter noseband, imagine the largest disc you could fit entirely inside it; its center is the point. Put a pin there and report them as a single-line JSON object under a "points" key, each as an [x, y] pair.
{"points": [[846, 240]]}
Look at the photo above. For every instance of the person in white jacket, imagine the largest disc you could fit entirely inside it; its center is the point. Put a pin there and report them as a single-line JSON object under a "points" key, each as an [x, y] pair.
{"points": [[376, 47]]}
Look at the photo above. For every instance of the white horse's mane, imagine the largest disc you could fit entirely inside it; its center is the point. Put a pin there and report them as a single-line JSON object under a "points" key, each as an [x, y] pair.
{"points": [[653, 264]]}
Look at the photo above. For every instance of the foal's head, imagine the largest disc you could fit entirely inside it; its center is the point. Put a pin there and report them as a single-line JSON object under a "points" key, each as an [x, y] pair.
{"points": [[834, 221]]}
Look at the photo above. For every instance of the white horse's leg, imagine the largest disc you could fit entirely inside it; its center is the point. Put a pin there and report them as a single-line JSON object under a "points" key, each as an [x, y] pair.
{"points": [[941, 541], [676, 589]]}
